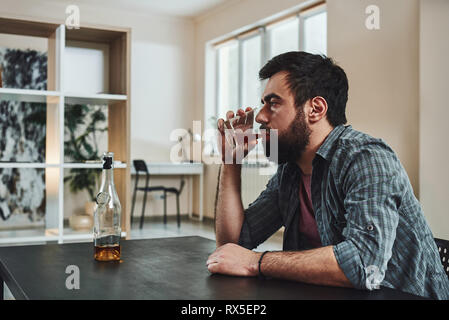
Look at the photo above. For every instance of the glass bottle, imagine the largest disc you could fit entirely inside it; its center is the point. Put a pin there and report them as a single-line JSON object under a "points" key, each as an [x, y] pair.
{"points": [[107, 219]]}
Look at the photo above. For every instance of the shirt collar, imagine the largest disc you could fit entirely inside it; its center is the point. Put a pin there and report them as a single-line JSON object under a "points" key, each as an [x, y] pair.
{"points": [[325, 150]]}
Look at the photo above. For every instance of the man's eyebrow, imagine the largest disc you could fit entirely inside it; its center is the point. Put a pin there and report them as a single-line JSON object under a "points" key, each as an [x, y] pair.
{"points": [[270, 96]]}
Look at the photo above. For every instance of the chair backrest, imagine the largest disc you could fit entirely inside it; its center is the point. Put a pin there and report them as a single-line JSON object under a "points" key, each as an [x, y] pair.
{"points": [[443, 249], [140, 166]]}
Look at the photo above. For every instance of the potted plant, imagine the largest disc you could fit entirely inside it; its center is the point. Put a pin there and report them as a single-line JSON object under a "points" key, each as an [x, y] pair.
{"points": [[83, 125]]}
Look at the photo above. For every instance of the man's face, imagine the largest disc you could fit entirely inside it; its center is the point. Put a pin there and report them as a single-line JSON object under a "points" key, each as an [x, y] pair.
{"points": [[280, 112]]}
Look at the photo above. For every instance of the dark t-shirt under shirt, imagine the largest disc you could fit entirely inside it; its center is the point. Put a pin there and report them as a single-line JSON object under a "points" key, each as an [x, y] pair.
{"points": [[307, 223]]}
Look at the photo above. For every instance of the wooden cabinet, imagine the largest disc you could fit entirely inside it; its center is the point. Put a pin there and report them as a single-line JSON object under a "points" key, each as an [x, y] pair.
{"points": [[56, 97]]}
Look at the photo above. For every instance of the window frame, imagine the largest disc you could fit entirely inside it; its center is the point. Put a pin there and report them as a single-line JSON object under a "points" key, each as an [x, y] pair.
{"points": [[302, 16], [278, 23], [217, 73]]}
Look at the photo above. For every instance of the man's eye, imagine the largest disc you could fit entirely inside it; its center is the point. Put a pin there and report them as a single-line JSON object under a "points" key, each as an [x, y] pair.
{"points": [[273, 104]]}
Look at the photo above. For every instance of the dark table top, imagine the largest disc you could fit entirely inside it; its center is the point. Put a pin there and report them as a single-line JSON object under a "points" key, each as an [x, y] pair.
{"points": [[167, 268]]}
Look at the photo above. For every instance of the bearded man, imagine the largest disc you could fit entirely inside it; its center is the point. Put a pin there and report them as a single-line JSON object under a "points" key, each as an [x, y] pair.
{"points": [[350, 215]]}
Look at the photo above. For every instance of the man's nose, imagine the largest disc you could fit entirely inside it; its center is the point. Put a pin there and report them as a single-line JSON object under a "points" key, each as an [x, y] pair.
{"points": [[262, 116]]}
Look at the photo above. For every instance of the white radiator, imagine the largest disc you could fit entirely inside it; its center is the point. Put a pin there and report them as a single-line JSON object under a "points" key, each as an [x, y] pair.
{"points": [[255, 177]]}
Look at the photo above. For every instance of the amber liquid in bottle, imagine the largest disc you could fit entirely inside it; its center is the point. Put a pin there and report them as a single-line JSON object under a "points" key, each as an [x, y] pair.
{"points": [[107, 248], [107, 253]]}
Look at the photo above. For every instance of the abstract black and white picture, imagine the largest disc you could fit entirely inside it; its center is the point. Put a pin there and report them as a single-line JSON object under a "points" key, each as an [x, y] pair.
{"points": [[22, 139]]}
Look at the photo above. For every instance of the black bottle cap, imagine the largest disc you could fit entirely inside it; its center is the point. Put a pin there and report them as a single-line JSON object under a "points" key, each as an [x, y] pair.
{"points": [[107, 164]]}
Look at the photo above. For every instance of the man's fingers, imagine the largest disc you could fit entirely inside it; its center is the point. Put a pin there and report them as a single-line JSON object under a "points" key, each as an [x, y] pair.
{"points": [[250, 116], [233, 133], [220, 125], [213, 257], [213, 267], [230, 119], [212, 262]]}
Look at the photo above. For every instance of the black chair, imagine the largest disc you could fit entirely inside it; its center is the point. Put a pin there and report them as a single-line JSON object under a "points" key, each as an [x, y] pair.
{"points": [[177, 192], [140, 166], [443, 249]]}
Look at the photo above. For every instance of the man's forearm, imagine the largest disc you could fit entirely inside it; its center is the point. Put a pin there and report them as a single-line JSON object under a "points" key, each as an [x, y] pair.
{"points": [[229, 211], [316, 266]]}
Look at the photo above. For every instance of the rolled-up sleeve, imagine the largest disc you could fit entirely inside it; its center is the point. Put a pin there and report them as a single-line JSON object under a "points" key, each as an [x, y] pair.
{"points": [[262, 217], [373, 188]]}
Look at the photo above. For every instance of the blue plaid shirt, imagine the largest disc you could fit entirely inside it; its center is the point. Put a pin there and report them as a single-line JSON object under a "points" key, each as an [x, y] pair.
{"points": [[364, 207]]}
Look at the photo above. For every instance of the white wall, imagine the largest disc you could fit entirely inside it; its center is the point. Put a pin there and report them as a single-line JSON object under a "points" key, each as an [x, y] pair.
{"points": [[434, 114], [162, 68], [382, 68], [88, 61]]}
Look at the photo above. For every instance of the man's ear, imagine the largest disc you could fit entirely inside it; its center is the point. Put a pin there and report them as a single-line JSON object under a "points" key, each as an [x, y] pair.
{"points": [[317, 109]]}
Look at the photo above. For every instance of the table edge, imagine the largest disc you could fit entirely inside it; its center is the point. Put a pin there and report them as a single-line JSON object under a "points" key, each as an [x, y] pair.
{"points": [[12, 284]]}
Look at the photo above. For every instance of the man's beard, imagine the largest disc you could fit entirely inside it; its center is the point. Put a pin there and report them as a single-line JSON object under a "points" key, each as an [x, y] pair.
{"points": [[293, 141]]}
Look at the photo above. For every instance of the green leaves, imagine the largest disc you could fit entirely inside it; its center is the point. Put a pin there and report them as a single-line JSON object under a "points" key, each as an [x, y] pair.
{"points": [[82, 125], [82, 179]]}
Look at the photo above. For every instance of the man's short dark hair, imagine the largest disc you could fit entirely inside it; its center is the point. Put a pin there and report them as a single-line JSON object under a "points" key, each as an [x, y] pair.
{"points": [[311, 75]]}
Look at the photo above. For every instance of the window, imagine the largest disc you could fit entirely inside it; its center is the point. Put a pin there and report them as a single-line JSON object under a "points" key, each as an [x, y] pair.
{"points": [[238, 64], [227, 74], [239, 59], [283, 36], [251, 63], [314, 31]]}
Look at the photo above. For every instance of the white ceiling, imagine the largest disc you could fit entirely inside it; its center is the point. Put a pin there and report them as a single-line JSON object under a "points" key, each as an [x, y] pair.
{"points": [[181, 8]]}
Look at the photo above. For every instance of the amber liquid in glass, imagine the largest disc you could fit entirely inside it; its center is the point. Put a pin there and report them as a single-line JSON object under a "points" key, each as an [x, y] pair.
{"points": [[107, 253]]}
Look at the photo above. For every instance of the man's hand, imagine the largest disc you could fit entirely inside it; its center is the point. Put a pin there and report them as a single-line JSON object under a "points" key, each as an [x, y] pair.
{"points": [[236, 138], [232, 259], [316, 266]]}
